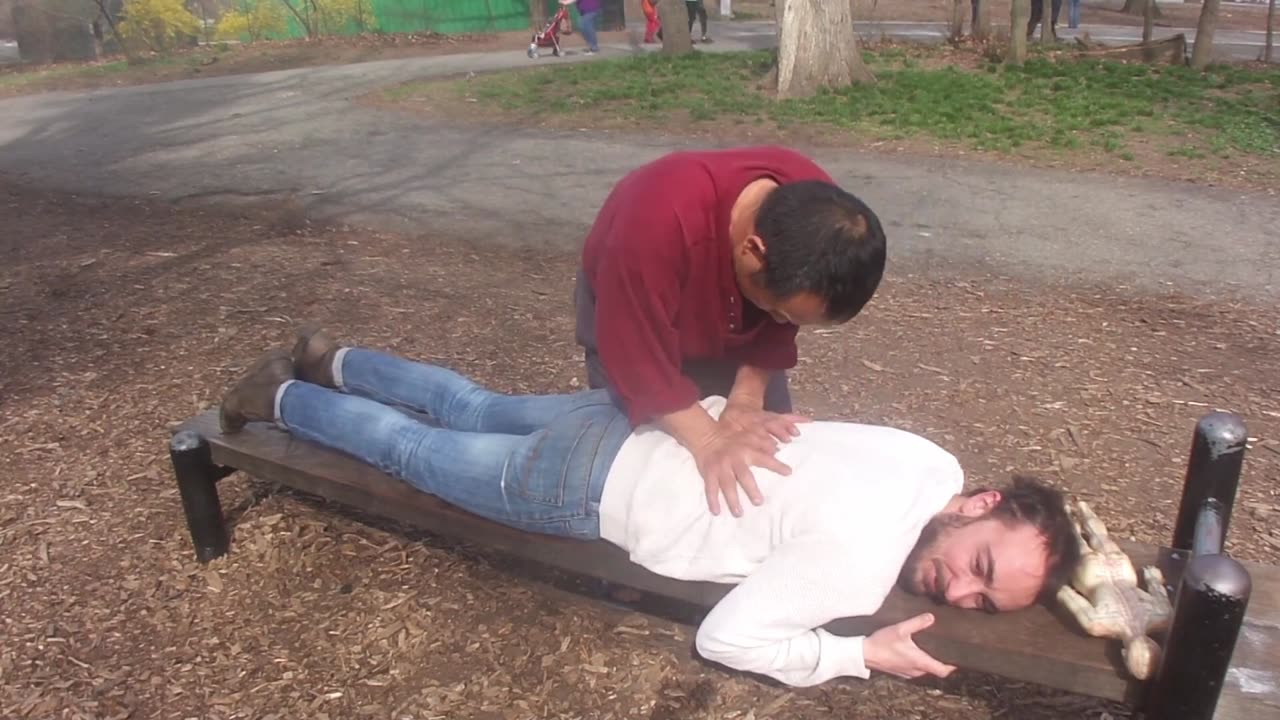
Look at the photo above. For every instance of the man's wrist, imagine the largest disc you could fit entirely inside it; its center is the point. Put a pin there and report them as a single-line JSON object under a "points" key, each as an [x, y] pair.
{"points": [[692, 427], [749, 385], [870, 654]]}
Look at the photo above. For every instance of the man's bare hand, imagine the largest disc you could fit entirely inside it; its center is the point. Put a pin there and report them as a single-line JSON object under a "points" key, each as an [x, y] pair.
{"points": [[725, 459], [777, 425], [892, 650]]}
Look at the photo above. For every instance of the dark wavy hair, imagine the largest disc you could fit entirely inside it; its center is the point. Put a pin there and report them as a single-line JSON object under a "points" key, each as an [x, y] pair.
{"points": [[1029, 500]]}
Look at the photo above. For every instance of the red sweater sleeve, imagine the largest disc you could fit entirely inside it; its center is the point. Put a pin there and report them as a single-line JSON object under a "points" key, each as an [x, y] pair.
{"points": [[773, 349], [638, 288]]}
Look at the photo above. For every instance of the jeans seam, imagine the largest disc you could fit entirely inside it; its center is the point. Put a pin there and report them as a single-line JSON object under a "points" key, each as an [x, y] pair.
{"points": [[591, 474], [539, 498], [564, 472]]}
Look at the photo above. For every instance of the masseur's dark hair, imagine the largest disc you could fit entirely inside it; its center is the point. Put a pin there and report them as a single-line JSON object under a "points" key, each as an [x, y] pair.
{"points": [[820, 239]]}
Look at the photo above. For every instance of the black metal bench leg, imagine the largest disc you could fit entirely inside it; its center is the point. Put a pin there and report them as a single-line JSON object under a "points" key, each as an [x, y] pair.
{"points": [[198, 484], [1209, 611], [1210, 601], [1213, 472]]}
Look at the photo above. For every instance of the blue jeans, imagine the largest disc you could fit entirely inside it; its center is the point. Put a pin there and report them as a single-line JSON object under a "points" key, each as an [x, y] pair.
{"points": [[587, 23], [533, 462]]}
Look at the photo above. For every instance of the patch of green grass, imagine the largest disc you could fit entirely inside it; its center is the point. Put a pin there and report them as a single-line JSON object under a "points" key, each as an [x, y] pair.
{"points": [[1187, 151], [1061, 104]]}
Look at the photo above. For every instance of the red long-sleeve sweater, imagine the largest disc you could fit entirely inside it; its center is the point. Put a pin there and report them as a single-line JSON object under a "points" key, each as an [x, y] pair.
{"points": [[658, 259]]}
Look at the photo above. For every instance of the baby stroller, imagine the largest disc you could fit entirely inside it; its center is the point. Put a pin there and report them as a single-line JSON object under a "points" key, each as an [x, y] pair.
{"points": [[550, 34]]}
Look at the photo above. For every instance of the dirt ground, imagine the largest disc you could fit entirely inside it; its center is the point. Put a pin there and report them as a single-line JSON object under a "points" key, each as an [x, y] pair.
{"points": [[124, 317]]}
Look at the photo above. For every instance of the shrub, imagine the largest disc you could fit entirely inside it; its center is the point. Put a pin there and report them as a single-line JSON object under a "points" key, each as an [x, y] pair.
{"points": [[158, 24], [254, 21]]}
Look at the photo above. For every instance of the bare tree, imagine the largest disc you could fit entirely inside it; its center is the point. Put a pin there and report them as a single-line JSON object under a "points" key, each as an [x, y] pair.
{"points": [[1137, 8], [676, 38], [105, 12], [1017, 33], [955, 29], [1148, 21], [304, 12], [981, 19], [818, 48], [1271, 27], [1047, 32], [1202, 53]]}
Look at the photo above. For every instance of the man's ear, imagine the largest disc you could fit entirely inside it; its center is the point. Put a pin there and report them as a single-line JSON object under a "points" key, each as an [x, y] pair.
{"points": [[980, 504], [756, 247]]}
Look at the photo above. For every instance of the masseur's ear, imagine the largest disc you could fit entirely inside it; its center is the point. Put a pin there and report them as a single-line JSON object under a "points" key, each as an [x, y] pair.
{"points": [[980, 504], [754, 246]]}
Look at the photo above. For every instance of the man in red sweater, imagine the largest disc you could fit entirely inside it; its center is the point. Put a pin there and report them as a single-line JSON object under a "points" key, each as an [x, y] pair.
{"points": [[694, 279]]}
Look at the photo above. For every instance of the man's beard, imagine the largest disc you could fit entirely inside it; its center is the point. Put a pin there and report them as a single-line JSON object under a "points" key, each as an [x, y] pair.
{"points": [[927, 548]]}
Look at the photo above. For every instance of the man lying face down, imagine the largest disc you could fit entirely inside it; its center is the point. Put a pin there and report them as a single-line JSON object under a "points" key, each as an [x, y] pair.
{"points": [[864, 508]]}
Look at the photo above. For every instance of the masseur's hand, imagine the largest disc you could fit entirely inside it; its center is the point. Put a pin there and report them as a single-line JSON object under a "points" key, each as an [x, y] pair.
{"points": [[746, 417], [725, 458], [891, 650]]}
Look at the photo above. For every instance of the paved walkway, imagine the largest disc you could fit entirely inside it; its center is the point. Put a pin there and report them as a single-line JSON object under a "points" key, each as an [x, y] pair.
{"points": [[298, 131]]}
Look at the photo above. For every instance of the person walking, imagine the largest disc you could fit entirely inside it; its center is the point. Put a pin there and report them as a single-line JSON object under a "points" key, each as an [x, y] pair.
{"points": [[588, 20], [697, 11]]}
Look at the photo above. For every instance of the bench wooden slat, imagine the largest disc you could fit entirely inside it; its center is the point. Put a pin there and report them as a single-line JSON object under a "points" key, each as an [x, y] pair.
{"points": [[1036, 645]]}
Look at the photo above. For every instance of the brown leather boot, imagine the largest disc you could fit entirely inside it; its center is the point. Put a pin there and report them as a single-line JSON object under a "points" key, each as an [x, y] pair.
{"points": [[254, 397], [313, 355]]}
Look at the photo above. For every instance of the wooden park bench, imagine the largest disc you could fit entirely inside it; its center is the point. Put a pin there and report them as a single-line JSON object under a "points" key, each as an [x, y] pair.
{"points": [[1038, 645]]}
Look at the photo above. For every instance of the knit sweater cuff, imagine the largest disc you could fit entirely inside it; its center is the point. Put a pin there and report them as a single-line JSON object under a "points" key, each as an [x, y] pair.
{"points": [[841, 656]]}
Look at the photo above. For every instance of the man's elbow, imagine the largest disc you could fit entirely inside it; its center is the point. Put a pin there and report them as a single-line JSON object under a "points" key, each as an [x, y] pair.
{"points": [[713, 646]]}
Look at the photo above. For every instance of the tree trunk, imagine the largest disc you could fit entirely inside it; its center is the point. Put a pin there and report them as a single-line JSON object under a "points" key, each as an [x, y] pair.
{"points": [[956, 30], [1018, 32], [1138, 7], [981, 19], [105, 11], [1271, 27], [303, 17], [1047, 32], [818, 49], [676, 39], [1148, 21], [1202, 53]]}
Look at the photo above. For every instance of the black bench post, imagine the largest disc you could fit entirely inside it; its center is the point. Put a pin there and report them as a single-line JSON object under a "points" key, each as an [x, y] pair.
{"points": [[1213, 594], [1209, 610], [1213, 472], [198, 484]]}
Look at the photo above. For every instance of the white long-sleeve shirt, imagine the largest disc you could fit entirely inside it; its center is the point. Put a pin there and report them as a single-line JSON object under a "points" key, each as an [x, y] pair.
{"points": [[828, 542]]}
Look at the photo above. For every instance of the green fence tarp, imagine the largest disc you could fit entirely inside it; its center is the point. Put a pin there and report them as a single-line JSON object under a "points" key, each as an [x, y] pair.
{"points": [[448, 16], [451, 16]]}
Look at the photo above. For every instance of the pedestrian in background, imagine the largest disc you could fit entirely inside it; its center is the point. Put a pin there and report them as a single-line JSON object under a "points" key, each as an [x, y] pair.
{"points": [[589, 20], [697, 12], [652, 23]]}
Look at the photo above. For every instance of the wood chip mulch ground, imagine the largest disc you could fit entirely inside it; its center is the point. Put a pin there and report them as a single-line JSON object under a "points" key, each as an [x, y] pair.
{"points": [[124, 317]]}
